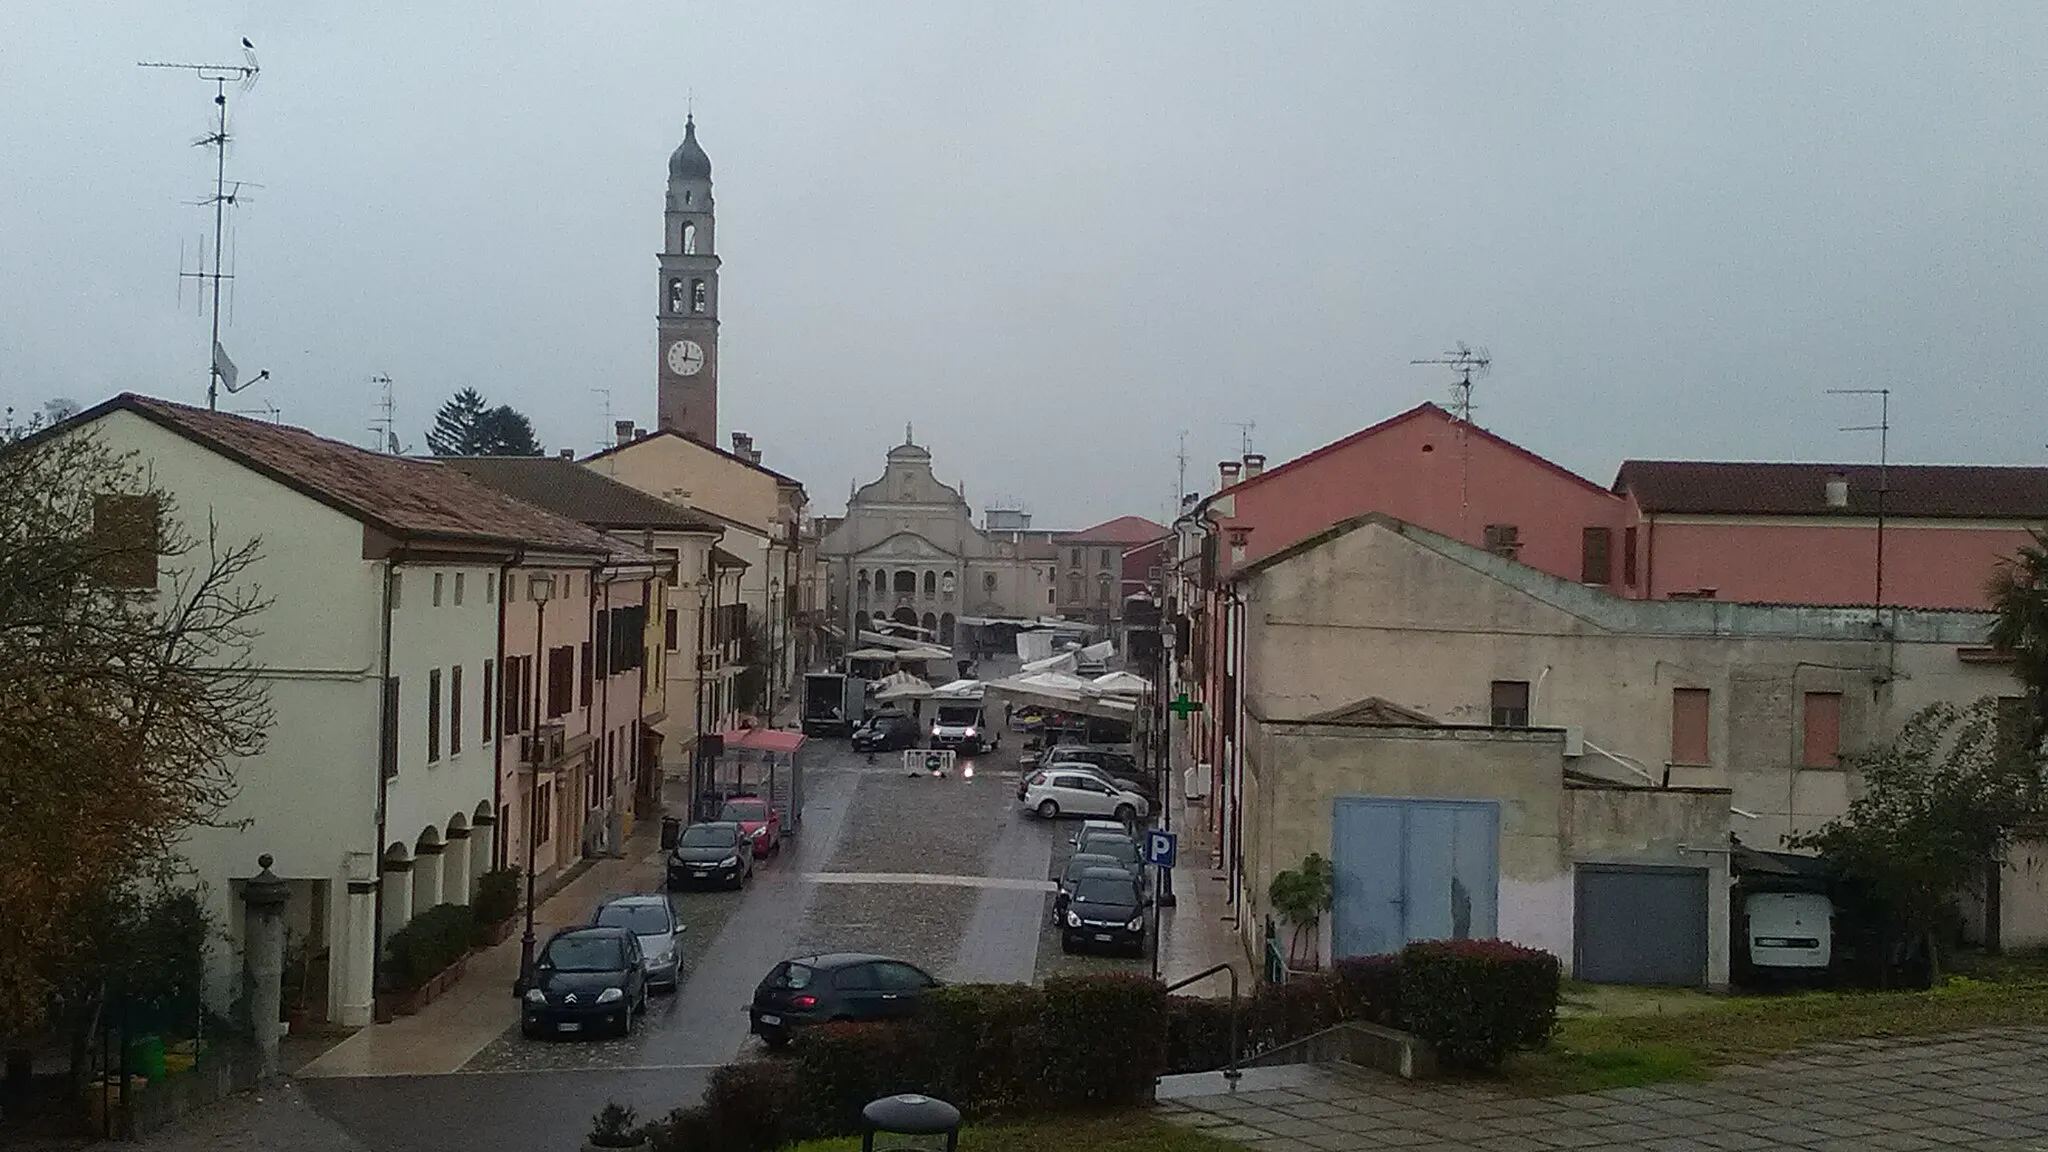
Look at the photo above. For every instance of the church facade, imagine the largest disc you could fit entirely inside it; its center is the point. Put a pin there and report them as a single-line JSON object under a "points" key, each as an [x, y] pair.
{"points": [[908, 550]]}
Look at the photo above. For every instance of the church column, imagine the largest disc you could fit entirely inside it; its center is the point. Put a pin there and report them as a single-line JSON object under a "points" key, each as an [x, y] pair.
{"points": [[350, 1002]]}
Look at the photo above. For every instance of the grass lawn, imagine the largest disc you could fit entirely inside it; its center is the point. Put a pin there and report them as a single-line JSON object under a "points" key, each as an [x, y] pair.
{"points": [[1597, 1050], [1112, 1132]]}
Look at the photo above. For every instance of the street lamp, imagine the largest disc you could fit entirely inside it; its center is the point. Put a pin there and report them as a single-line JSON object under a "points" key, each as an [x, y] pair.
{"points": [[540, 588]]}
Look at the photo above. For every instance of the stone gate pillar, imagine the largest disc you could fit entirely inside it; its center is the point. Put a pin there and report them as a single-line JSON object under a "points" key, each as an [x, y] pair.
{"points": [[265, 898]]}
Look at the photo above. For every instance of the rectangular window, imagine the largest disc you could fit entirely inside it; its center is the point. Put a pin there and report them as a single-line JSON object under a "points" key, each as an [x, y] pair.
{"points": [[669, 627], [484, 728], [1689, 725], [387, 751], [1504, 540], [397, 586], [1628, 555], [458, 589], [561, 681], [1596, 564], [455, 709], [1106, 557], [433, 715], [1822, 746], [125, 540], [543, 812], [1510, 704], [437, 589], [490, 587]]}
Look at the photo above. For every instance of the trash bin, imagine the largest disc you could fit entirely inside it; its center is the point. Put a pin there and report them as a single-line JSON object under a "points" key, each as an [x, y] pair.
{"points": [[671, 831], [910, 1115]]}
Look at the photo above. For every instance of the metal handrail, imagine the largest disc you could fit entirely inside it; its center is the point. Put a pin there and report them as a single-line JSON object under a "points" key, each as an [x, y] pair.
{"points": [[1230, 1069]]}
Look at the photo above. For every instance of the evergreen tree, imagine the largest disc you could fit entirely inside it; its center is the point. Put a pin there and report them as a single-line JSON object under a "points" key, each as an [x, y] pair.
{"points": [[455, 426], [504, 431], [2019, 594]]}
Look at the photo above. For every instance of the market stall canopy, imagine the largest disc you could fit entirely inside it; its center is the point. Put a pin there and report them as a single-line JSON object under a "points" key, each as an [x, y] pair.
{"points": [[773, 740], [959, 690], [1098, 652], [1064, 693], [1064, 662], [1123, 684], [901, 686]]}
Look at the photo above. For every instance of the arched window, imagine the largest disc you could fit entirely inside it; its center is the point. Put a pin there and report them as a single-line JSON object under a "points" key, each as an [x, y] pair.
{"points": [[689, 239], [931, 623], [946, 629], [700, 296], [1104, 588], [906, 583], [1074, 588], [860, 621], [988, 582], [863, 581], [931, 583], [675, 296], [946, 584]]}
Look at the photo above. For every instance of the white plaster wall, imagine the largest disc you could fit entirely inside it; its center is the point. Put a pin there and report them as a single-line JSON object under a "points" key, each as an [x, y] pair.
{"points": [[425, 637]]}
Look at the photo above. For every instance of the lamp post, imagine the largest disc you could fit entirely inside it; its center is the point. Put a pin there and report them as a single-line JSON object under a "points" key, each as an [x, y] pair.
{"points": [[540, 588]]}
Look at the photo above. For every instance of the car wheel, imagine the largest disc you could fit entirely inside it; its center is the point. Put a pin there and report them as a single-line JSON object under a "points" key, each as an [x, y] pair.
{"points": [[1048, 809], [529, 1031], [1126, 815]]}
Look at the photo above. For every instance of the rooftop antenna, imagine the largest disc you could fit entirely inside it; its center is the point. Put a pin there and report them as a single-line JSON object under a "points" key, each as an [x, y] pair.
{"points": [[1467, 362], [386, 423], [1883, 428], [220, 371], [268, 411], [1244, 436]]}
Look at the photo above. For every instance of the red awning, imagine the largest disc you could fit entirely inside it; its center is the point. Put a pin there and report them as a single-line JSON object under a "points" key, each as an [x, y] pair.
{"points": [[764, 740]]}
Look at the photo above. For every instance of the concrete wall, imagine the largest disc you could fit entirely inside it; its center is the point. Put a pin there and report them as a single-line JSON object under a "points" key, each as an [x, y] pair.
{"points": [[1687, 829], [1824, 560], [1375, 613]]}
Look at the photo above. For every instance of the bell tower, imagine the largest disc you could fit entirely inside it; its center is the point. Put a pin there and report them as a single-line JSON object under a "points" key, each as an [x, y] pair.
{"points": [[686, 324]]}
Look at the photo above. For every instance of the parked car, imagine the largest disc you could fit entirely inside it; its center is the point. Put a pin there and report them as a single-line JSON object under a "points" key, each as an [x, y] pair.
{"points": [[584, 978], [1074, 793], [715, 852], [1106, 909], [1112, 760], [1109, 841], [889, 731], [840, 986], [759, 822], [1037, 775], [650, 919], [961, 726], [1081, 862]]}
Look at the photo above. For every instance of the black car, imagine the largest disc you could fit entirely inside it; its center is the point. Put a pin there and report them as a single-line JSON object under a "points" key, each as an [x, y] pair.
{"points": [[1079, 864], [839, 986], [886, 732], [1115, 766], [1104, 842], [1106, 910], [711, 853], [586, 979]]}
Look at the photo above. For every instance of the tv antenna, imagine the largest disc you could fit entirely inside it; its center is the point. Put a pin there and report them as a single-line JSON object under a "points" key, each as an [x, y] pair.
{"points": [[1467, 362], [268, 411], [1244, 436], [220, 371], [386, 423], [1883, 428]]}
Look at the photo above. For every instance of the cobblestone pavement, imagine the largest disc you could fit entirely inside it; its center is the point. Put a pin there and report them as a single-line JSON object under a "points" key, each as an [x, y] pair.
{"points": [[1985, 1090]]}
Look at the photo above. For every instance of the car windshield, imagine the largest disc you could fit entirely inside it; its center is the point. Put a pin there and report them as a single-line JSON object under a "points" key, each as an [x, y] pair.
{"points": [[586, 953], [1081, 863], [706, 836], [1102, 890], [959, 714], [744, 810], [639, 919], [1120, 847]]}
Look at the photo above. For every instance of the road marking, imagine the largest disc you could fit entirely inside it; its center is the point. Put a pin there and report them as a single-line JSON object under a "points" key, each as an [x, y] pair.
{"points": [[1002, 882]]}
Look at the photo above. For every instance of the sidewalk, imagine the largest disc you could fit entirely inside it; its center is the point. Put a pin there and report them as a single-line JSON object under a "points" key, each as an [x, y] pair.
{"points": [[445, 1034], [1194, 934]]}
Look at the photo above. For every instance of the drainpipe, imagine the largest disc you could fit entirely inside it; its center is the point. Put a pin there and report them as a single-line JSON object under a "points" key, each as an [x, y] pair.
{"points": [[384, 725]]}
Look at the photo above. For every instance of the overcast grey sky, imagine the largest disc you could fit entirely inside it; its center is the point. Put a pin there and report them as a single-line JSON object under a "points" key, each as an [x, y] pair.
{"points": [[1056, 235]]}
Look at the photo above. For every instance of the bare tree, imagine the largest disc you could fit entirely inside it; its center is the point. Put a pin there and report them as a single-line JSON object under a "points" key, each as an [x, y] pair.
{"points": [[127, 690]]}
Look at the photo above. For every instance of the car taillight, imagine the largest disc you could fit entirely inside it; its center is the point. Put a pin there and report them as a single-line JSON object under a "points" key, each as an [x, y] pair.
{"points": [[804, 1002]]}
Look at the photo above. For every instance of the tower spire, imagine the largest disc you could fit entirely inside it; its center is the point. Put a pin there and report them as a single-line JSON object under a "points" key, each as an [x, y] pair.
{"points": [[907, 437]]}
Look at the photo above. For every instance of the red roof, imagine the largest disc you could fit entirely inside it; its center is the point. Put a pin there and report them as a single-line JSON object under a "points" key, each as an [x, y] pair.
{"points": [[1126, 530], [1419, 411], [401, 497], [1933, 491]]}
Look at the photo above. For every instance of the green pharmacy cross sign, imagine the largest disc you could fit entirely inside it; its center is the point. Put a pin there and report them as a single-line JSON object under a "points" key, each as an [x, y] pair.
{"points": [[1182, 706]]}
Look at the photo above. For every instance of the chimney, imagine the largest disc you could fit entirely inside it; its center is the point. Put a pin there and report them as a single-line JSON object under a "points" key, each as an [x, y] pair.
{"points": [[569, 454], [639, 433], [1228, 472], [622, 431], [1838, 490], [1254, 463], [743, 445]]}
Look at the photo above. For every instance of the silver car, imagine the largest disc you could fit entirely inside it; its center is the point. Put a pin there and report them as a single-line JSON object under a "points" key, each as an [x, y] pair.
{"points": [[650, 918]]}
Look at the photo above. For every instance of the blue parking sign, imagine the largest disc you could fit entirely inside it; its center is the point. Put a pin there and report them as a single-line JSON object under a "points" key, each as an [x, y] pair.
{"points": [[1160, 848]]}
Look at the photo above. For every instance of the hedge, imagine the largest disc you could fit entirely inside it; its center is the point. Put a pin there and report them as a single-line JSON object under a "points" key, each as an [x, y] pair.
{"points": [[497, 896], [429, 943], [1478, 1000]]}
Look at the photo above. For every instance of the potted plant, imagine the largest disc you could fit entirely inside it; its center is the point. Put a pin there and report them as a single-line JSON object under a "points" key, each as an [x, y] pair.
{"points": [[1302, 895], [614, 1127]]}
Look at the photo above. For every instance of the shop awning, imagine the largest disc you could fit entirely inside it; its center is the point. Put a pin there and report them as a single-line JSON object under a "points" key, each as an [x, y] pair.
{"points": [[764, 740]]}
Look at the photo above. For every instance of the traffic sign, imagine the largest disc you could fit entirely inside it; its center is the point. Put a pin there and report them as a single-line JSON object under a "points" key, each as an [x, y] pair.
{"points": [[1160, 848]]}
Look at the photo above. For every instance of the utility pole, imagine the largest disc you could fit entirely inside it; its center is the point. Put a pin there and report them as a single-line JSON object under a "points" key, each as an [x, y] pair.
{"points": [[1883, 428], [220, 371], [1465, 361]]}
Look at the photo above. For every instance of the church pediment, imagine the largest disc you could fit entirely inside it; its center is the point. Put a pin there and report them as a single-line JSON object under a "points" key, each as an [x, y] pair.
{"points": [[906, 546]]}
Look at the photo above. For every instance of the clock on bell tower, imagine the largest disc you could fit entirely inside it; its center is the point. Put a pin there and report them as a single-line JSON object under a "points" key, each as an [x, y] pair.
{"points": [[686, 326]]}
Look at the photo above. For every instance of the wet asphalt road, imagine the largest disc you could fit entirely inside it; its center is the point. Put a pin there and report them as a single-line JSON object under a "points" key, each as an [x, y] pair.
{"points": [[858, 818]]}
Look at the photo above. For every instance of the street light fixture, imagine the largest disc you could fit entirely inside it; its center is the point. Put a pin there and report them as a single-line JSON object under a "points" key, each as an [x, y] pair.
{"points": [[540, 588]]}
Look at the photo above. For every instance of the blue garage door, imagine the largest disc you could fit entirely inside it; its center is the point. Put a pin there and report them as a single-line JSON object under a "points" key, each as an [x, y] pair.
{"points": [[1413, 870]]}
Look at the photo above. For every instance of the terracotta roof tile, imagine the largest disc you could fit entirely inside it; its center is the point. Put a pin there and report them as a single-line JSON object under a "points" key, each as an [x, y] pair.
{"points": [[1934, 491], [1122, 530], [567, 488], [404, 498]]}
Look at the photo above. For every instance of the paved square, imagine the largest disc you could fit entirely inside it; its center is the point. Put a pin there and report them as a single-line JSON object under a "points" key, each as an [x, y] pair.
{"points": [[1980, 1090]]}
